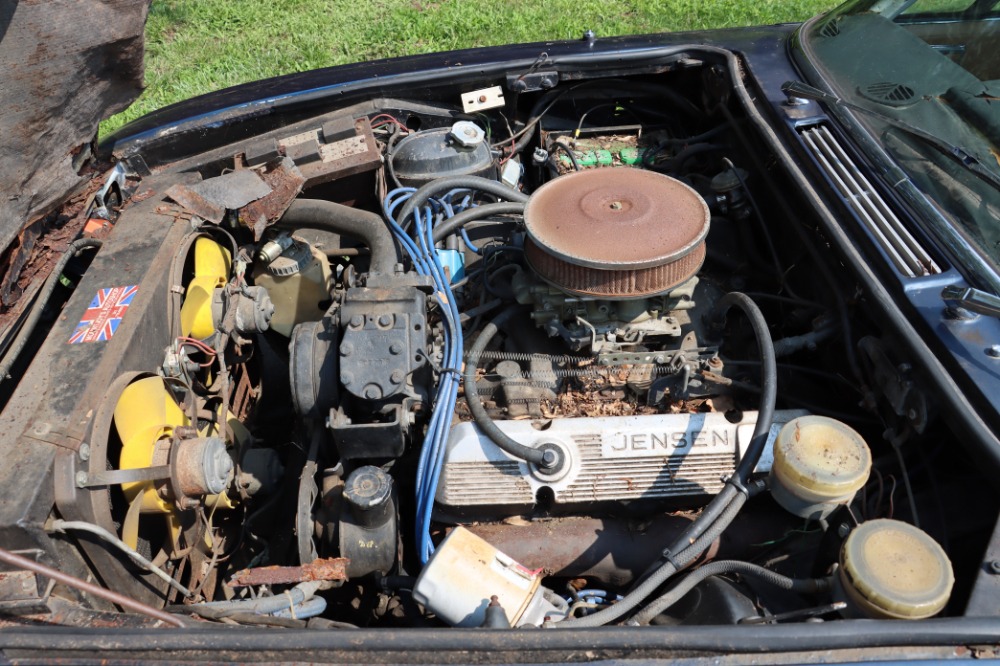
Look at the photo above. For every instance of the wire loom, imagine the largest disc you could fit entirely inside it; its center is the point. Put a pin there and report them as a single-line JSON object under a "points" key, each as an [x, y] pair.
{"points": [[427, 262]]}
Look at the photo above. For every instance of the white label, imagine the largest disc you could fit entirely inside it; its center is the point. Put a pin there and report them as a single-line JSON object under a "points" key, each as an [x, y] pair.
{"points": [[479, 100]]}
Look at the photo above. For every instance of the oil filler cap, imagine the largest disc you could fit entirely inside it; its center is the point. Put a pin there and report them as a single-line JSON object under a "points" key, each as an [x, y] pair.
{"points": [[819, 464], [891, 569]]}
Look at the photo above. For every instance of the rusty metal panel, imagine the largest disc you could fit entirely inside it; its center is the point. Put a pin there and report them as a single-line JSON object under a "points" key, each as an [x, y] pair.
{"points": [[196, 204], [66, 65], [321, 162], [333, 568], [285, 181]]}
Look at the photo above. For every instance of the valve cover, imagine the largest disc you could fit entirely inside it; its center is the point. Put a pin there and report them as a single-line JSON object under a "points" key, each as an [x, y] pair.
{"points": [[612, 459]]}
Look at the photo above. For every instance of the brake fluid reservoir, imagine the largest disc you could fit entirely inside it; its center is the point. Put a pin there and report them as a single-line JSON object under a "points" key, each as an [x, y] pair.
{"points": [[891, 569], [819, 464], [299, 281]]}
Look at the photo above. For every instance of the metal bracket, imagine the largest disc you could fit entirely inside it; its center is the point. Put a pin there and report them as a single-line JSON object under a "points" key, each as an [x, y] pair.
{"points": [[114, 477], [532, 81], [973, 300], [638, 358]]}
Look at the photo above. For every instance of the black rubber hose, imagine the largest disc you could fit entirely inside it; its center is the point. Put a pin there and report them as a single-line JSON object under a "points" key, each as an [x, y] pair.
{"points": [[721, 511], [674, 594], [459, 220], [765, 414], [338, 218], [660, 576], [441, 185], [544, 458], [35, 315]]}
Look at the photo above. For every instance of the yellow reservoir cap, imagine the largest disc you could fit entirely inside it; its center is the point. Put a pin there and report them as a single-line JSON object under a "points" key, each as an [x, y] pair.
{"points": [[820, 460], [891, 569]]}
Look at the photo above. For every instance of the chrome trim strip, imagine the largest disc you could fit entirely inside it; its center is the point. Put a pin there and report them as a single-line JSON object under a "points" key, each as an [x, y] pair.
{"points": [[903, 250]]}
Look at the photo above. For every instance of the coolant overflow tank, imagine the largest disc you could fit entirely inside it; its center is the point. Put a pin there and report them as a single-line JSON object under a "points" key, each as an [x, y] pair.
{"points": [[299, 282]]}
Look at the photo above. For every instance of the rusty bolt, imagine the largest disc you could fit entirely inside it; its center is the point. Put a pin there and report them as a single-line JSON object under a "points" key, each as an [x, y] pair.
{"points": [[385, 320], [357, 321], [395, 348], [346, 349], [482, 99]]}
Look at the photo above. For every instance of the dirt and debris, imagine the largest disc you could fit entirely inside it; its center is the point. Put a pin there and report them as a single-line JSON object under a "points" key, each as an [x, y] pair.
{"points": [[601, 395], [333, 568]]}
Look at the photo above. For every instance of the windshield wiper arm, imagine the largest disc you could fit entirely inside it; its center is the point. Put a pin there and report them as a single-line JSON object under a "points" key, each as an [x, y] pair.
{"points": [[967, 159], [973, 300]]}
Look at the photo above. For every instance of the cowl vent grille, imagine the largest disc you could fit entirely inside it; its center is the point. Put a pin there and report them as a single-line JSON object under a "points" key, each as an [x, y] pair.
{"points": [[903, 250]]}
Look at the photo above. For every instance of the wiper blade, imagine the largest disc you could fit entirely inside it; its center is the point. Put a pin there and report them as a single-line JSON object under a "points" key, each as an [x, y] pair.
{"points": [[966, 158]]}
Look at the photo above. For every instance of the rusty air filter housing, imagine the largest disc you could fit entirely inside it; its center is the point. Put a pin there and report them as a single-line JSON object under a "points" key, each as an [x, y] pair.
{"points": [[616, 233]]}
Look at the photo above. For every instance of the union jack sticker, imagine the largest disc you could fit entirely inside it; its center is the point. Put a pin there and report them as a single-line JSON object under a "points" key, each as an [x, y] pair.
{"points": [[103, 315]]}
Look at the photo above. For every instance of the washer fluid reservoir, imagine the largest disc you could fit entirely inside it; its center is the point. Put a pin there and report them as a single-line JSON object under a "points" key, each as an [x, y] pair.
{"points": [[298, 280]]}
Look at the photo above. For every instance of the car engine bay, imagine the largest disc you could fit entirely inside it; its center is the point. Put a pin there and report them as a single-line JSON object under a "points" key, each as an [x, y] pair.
{"points": [[560, 354]]}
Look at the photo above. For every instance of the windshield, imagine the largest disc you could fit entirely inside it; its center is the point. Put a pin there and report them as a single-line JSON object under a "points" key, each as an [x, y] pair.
{"points": [[934, 65]]}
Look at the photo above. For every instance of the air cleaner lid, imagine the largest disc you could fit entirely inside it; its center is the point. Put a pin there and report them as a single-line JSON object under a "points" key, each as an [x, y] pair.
{"points": [[821, 459], [893, 569], [617, 218]]}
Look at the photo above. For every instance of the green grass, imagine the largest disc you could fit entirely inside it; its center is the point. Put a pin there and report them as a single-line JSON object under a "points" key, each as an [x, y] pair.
{"points": [[197, 46]]}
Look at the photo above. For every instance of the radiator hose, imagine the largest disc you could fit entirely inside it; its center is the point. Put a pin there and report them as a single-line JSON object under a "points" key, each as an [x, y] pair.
{"points": [[340, 219]]}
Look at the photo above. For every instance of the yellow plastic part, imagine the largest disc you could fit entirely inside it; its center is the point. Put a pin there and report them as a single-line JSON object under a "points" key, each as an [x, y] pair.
{"points": [[891, 569], [212, 264], [820, 459], [145, 414], [297, 297]]}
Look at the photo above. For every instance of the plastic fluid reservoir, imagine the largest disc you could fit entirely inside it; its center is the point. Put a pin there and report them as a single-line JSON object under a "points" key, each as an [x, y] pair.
{"points": [[299, 282], [466, 574], [891, 569], [819, 464]]}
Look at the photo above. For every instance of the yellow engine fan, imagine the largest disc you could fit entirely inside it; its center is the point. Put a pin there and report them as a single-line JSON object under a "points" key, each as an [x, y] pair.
{"points": [[184, 467], [212, 264]]}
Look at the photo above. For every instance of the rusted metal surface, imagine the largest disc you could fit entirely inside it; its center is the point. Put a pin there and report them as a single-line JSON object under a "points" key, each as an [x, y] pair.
{"points": [[625, 283], [234, 189], [605, 549], [39, 246], [60, 612], [127, 603], [67, 65], [333, 568], [616, 232], [196, 204], [285, 181], [322, 160]]}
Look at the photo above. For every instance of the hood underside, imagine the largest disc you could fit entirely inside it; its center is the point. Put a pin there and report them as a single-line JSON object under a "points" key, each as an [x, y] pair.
{"points": [[67, 65]]}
